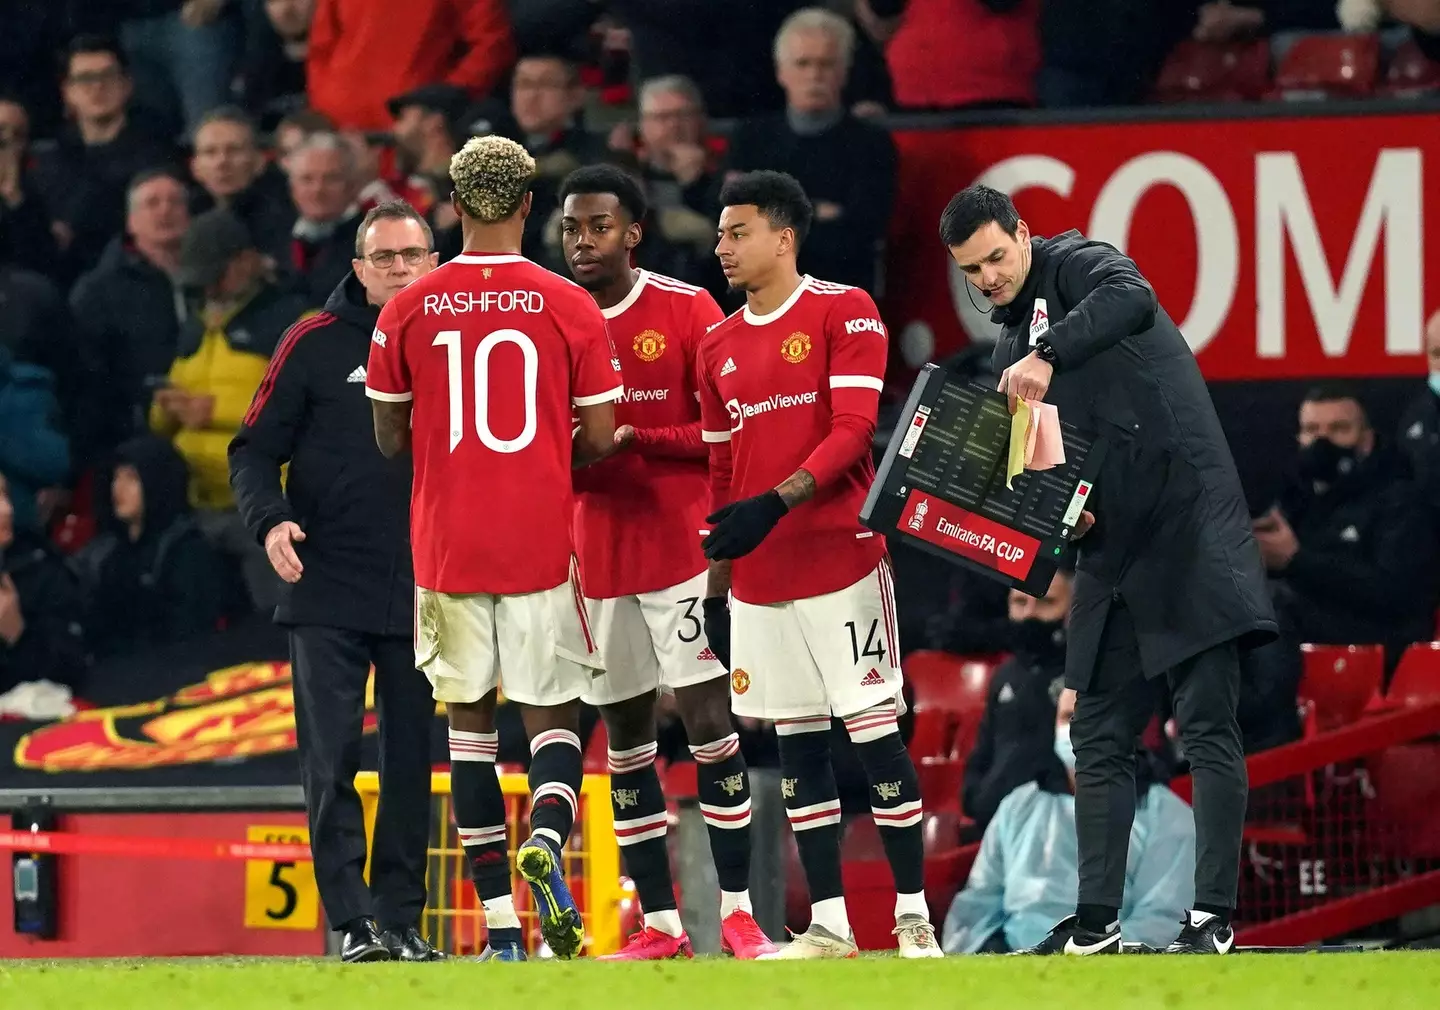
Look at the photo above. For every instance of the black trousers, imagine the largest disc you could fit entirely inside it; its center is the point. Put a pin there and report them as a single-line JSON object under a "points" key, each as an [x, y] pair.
{"points": [[1109, 718], [330, 667]]}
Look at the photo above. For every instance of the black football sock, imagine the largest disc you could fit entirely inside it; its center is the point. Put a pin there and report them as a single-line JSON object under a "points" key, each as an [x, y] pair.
{"points": [[1220, 912], [640, 825], [723, 785], [894, 802], [556, 770], [479, 810], [812, 802], [1097, 918]]}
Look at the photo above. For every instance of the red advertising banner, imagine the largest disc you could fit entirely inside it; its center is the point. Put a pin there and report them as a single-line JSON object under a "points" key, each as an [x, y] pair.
{"points": [[1284, 247], [1007, 551]]}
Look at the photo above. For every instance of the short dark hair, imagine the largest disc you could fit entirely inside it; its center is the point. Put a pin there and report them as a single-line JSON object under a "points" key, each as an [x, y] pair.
{"points": [[972, 209], [83, 44], [227, 114], [780, 198], [606, 179], [1333, 390], [145, 175], [392, 210]]}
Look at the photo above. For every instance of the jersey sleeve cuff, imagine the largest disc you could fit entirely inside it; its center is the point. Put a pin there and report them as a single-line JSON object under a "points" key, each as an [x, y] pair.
{"points": [[714, 436], [605, 397], [857, 382], [377, 394]]}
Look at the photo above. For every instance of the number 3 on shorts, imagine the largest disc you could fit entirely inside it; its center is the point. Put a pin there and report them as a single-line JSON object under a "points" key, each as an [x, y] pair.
{"points": [[690, 626], [874, 642]]}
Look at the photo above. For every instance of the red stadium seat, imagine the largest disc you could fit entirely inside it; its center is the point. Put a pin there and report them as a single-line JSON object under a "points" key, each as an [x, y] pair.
{"points": [[1215, 72], [949, 700], [1338, 682], [1411, 73], [597, 751], [1417, 678], [1329, 66]]}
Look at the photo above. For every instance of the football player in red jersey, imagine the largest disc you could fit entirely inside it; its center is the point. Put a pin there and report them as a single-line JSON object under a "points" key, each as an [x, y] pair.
{"points": [[789, 391], [643, 572], [492, 353]]}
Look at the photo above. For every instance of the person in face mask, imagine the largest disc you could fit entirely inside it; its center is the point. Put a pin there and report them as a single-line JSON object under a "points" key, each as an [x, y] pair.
{"points": [[1025, 877], [1349, 546], [1012, 745], [1419, 429]]}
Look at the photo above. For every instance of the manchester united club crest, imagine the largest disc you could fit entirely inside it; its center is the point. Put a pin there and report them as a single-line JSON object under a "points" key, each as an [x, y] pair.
{"points": [[795, 348], [739, 681], [649, 345]]}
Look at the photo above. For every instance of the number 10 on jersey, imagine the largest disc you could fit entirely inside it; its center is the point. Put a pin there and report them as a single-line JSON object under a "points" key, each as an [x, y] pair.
{"points": [[479, 382]]}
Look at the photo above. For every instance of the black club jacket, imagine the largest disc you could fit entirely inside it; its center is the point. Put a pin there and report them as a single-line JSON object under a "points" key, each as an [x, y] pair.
{"points": [[311, 411]]}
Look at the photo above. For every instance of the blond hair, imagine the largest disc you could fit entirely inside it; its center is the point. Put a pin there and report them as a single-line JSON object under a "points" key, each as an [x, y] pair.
{"points": [[491, 176]]}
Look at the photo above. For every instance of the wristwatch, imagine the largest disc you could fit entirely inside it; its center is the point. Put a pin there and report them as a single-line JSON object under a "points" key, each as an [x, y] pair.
{"points": [[1045, 351]]}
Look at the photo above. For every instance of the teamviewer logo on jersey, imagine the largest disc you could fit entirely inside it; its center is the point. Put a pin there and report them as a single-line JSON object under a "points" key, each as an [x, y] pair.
{"points": [[917, 521], [737, 415], [779, 401]]}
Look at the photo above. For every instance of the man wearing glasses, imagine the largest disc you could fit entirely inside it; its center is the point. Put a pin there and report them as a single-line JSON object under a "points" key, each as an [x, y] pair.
{"points": [[338, 535]]}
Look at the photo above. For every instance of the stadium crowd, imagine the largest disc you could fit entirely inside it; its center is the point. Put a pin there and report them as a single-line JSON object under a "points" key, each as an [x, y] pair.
{"points": [[181, 181]]}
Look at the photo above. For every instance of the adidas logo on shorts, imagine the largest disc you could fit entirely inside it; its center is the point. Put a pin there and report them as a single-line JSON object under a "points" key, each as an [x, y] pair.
{"points": [[707, 656], [872, 679]]}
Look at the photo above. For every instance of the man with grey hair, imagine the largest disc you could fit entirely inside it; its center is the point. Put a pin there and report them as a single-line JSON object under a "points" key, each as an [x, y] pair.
{"points": [[336, 535], [324, 186], [847, 166]]}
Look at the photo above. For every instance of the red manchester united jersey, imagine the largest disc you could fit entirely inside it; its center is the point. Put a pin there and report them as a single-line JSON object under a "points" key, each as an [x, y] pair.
{"points": [[799, 387], [493, 350], [637, 511]]}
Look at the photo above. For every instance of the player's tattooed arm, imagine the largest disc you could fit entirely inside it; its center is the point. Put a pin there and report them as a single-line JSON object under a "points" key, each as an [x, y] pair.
{"points": [[798, 487], [717, 579], [392, 426]]}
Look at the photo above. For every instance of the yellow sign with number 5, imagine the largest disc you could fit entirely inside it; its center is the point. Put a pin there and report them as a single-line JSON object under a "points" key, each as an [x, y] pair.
{"points": [[280, 895]]}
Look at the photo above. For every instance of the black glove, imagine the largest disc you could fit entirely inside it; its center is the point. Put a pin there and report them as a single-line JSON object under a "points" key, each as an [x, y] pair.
{"points": [[738, 528], [717, 627]]}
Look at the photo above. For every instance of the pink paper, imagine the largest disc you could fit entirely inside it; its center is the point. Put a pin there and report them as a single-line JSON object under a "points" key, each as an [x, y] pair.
{"points": [[1044, 443]]}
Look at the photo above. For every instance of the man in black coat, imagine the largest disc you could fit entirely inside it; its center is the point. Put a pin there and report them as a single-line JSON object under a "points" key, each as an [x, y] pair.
{"points": [[1168, 582], [339, 537]]}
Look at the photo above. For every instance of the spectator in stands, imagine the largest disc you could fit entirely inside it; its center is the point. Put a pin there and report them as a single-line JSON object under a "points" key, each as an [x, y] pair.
{"points": [[1097, 55], [324, 186], [1419, 437], [276, 46], [1348, 542], [36, 328], [546, 96], [151, 577], [296, 128], [25, 234], [1015, 743], [362, 52], [83, 179], [846, 165], [428, 130], [679, 160], [1423, 19], [34, 450], [41, 633], [951, 54], [233, 173], [184, 54], [128, 315], [224, 350], [1025, 878]]}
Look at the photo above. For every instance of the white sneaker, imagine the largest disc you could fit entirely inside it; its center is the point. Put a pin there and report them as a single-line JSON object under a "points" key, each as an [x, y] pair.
{"points": [[917, 936], [815, 943]]}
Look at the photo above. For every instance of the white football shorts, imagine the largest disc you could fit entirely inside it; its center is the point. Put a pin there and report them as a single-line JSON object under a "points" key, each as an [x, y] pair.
{"points": [[651, 641], [536, 647], [835, 654]]}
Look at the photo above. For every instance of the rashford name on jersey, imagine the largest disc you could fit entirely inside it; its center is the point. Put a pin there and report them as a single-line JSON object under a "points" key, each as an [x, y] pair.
{"points": [[493, 385], [774, 388], [637, 512]]}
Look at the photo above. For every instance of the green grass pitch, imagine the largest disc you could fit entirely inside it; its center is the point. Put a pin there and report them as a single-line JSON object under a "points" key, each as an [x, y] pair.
{"points": [[1386, 981]]}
